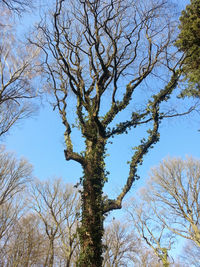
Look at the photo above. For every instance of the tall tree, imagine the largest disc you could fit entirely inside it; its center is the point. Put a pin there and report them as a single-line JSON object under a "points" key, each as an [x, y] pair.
{"points": [[189, 42], [108, 56]]}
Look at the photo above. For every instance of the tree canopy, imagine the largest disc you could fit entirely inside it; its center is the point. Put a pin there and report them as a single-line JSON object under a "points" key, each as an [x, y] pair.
{"points": [[189, 42]]}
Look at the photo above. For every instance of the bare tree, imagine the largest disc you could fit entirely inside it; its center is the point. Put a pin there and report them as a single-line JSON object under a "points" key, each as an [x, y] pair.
{"points": [[68, 245], [58, 207], [103, 53], [124, 247], [27, 243], [14, 175], [17, 6], [119, 244], [17, 72], [174, 192], [146, 257], [153, 232], [10, 213], [190, 255]]}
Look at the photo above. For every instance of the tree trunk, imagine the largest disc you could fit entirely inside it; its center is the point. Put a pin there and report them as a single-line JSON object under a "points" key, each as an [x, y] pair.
{"points": [[164, 258], [51, 260], [50, 254], [91, 230]]}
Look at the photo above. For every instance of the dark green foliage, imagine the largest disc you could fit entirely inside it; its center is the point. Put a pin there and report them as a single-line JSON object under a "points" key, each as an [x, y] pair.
{"points": [[189, 42]]}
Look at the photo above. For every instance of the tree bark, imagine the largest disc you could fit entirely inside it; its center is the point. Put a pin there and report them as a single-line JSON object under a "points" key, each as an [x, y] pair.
{"points": [[50, 254], [51, 260], [91, 230]]}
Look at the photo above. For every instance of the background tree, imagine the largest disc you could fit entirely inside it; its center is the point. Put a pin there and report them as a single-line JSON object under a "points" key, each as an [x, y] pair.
{"points": [[146, 257], [190, 255], [189, 42], [103, 54], [10, 213], [17, 72], [58, 207], [174, 193], [27, 243], [119, 243], [17, 6], [14, 176], [150, 229]]}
